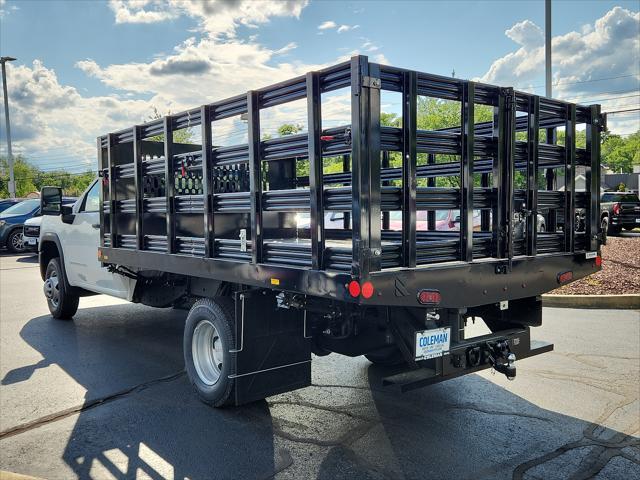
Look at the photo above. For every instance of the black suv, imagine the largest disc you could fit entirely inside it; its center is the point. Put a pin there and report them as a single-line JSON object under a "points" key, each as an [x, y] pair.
{"points": [[619, 210]]}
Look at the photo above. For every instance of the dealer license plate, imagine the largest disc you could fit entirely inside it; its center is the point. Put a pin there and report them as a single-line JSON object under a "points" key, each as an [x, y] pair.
{"points": [[432, 343]]}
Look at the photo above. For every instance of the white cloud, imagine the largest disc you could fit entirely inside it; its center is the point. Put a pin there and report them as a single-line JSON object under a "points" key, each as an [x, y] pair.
{"points": [[216, 64], [608, 48], [137, 11], [346, 28], [286, 49], [369, 46], [331, 25], [327, 25], [50, 117], [216, 17]]}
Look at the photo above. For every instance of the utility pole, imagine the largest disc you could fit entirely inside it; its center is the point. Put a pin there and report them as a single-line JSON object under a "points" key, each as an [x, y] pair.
{"points": [[547, 47], [12, 182]]}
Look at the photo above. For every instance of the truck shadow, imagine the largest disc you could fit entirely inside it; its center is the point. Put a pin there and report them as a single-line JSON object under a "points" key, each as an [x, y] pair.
{"points": [[140, 416], [471, 427]]}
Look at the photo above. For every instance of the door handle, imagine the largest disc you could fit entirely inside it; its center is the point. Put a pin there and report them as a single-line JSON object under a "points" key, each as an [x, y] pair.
{"points": [[95, 225]]}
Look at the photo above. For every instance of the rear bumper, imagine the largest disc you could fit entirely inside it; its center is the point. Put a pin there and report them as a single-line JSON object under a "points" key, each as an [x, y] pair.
{"points": [[456, 362], [631, 220]]}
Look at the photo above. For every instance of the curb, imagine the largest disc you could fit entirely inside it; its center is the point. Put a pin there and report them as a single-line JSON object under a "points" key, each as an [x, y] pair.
{"points": [[617, 302]]}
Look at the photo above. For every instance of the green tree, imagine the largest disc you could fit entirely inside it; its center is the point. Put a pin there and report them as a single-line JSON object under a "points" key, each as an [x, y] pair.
{"points": [[184, 135], [24, 174], [621, 154], [289, 129], [29, 178]]}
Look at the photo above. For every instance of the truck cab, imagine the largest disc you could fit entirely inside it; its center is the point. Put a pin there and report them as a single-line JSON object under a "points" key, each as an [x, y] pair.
{"points": [[69, 266]]}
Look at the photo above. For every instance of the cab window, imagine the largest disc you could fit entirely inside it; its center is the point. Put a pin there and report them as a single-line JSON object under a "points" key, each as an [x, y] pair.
{"points": [[92, 200]]}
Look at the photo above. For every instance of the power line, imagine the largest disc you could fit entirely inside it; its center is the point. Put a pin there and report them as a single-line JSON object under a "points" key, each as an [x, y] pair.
{"points": [[614, 98], [586, 81], [623, 111], [601, 93]]}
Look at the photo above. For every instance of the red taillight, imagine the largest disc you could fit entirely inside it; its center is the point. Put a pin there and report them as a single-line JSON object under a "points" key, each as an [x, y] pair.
{"points": [[367, 289], [326, 138], [616, 208], [565, 277], [354, 288], [598, 261], [429, 297]]}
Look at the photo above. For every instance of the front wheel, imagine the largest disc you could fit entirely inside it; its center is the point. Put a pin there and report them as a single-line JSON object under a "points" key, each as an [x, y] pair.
{"points": [[15, 242], [62, 303], [208, 339]]}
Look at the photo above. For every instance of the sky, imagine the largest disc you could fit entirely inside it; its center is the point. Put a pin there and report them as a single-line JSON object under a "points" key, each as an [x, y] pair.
{"points": [[86, 68]]}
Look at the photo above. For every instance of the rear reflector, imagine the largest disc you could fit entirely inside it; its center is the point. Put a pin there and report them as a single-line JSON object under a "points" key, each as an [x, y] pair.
{"points": [[354, 288], [565, 277], [598, 261], [367, 289], [429, 297]]}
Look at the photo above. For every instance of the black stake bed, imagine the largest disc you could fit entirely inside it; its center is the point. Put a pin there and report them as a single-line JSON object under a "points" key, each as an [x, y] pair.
{"points": [[266, 212]]}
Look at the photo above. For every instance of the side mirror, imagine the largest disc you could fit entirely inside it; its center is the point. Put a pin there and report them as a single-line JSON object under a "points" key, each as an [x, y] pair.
{"points": [[51, 201], [67, 214]]}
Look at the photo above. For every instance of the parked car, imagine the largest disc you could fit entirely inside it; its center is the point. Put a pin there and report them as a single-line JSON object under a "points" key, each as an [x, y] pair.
{"points": [[9, 202], [13, 219], [11, 222], [31, 233], [619, 210], [31, 229]]}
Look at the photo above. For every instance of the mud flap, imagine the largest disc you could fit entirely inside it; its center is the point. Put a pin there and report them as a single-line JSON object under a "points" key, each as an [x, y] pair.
{"points": [[272, 355]]}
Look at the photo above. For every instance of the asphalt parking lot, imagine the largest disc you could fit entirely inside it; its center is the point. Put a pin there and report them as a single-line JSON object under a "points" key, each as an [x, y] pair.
{"points": [[105, 396]]}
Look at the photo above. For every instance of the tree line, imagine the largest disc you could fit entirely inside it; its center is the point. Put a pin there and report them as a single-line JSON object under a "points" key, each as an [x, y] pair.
{"points": [[619, 154]]}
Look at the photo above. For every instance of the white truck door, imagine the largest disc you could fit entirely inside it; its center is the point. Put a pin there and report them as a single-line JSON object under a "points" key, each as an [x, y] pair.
{"points": [[80, 244]]}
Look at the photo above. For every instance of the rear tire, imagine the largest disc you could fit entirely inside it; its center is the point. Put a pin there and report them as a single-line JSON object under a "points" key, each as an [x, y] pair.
{"points": [[208, 337], [15, 242], [388, 356], [61, 302]]}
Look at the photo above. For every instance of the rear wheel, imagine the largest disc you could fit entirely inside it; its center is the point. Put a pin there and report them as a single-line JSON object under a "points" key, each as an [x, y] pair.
{"points": [[208, 337], [15, 242], [62, 303], [388, 356]]}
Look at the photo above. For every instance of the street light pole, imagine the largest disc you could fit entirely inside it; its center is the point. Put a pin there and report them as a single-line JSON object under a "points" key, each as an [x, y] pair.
{"points": [[12, 183], [547, 47]]}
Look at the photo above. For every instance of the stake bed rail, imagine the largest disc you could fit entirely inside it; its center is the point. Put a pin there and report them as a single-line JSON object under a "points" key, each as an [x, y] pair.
{"points": [[233, 212]]}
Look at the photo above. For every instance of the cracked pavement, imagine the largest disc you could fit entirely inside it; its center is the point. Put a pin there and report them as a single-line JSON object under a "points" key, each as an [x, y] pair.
{"points": [[105, 397]]}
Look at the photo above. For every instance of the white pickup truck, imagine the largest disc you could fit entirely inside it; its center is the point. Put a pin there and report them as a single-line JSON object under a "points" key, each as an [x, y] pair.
{"points": [[68, 257]]}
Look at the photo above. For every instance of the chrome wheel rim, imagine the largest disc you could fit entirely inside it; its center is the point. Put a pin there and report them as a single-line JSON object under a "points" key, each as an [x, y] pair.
{"points": [[51, 288], [207, 352], [17, 242]]}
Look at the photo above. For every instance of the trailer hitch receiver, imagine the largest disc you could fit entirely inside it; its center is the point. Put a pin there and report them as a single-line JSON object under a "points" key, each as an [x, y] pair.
{"points": [[501, 358]]}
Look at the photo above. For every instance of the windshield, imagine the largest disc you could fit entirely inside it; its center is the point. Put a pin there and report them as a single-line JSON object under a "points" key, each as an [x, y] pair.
{"points": [[620, 197], [23, 208]]}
